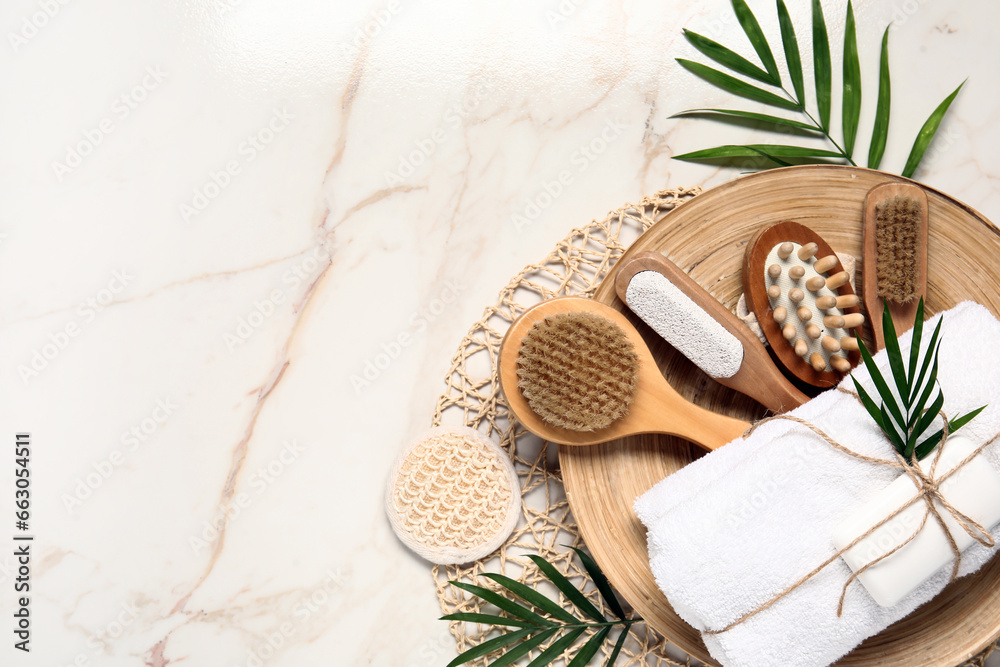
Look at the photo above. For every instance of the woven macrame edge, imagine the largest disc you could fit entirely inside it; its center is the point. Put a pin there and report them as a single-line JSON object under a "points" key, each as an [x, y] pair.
{"points": [[472, 397]]}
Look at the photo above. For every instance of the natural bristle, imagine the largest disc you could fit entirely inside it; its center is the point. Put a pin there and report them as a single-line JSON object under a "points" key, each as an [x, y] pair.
{"points": [[897, 232], [578, 371]]}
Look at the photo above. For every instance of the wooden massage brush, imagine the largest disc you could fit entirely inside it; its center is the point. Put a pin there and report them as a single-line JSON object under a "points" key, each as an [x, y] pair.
{"points": [[804, 302], [693, 321], [576, 372]]}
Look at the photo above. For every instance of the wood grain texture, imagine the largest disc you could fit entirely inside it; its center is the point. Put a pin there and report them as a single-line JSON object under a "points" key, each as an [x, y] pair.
{"points": [[758, 302], [656, 407], [707, 238], [903, 314], [757, 377]]}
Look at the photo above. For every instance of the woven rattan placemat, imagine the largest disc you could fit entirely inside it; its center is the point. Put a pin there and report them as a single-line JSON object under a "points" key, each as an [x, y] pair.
{"points": [[472, 397]]}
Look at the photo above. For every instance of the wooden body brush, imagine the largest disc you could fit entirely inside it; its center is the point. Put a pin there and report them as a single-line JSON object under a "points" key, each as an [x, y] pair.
{"points": [[804, 302], [703, 330], [576, 372], [895, 255]]}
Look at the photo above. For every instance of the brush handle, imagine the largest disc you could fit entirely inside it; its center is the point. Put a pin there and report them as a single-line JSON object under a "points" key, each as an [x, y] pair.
{"points": [[656, 406], [757, 377], [903, 314], [692, 422]]}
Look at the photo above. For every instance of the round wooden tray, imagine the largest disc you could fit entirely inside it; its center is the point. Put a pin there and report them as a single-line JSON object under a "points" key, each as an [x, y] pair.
{"points": [[707, 237]]}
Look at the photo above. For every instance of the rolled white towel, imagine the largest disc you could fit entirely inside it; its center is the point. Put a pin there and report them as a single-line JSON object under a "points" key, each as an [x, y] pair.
{"points": [[735, 528]]}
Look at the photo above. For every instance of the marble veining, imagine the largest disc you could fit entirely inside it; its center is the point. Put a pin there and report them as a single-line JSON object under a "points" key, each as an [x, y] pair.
{"points": [[240, 242]]}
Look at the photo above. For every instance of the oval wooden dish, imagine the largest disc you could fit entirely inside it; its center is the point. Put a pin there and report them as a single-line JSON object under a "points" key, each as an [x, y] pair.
{"points": [[707, 237]]}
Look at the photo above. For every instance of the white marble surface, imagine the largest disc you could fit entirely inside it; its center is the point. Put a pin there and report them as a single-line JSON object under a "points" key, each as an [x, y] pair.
{"points": [[270, 197]]}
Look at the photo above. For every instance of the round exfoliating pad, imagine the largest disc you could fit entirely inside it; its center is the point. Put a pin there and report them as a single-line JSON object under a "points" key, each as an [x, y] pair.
{"points": [[453, 496], [578, 371]]}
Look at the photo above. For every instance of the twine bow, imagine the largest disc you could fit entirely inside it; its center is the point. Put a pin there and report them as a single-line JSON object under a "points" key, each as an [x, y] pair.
{"points": [[928, 490]]}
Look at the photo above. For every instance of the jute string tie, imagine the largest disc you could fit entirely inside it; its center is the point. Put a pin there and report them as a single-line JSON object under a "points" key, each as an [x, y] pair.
{"points": [[928, 490]]}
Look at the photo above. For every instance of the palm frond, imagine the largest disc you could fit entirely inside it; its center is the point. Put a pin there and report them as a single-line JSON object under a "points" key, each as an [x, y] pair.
{"points": [[552, 621]]}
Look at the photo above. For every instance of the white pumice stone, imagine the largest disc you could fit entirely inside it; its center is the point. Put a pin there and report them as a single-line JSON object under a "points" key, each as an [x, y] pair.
{"points": [[684, 324]]}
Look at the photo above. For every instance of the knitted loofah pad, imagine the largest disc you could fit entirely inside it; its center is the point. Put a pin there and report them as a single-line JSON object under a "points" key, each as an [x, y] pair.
{"points": [[578, 371], [453, 496]]}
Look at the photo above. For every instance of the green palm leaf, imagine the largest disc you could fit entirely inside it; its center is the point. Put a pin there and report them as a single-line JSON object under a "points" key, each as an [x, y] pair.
{"points": [[880, 133], [757, 39], [851, 102], [536, 630], [852, 82], [532, 596], [928, 358], [880, 384], [777, 160], [905, 434], [792, 57], [869, 404], [589, 649], [602, 583], [929, 386], [556, 648], [959, 422], [622, 636], [749, 115], [927, 132], [488, 619], [915, 339], [822, 68], [894, 435], [727, 57], [500, 601], [735, 86], [568, 589], [522, 649], [488, 647], [895, 357], [924, 422], [927, 446], [754, 150], [918, 408]]}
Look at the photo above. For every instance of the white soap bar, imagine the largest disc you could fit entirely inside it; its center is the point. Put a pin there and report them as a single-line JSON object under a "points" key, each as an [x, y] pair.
{"points": [[973, 490]]}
